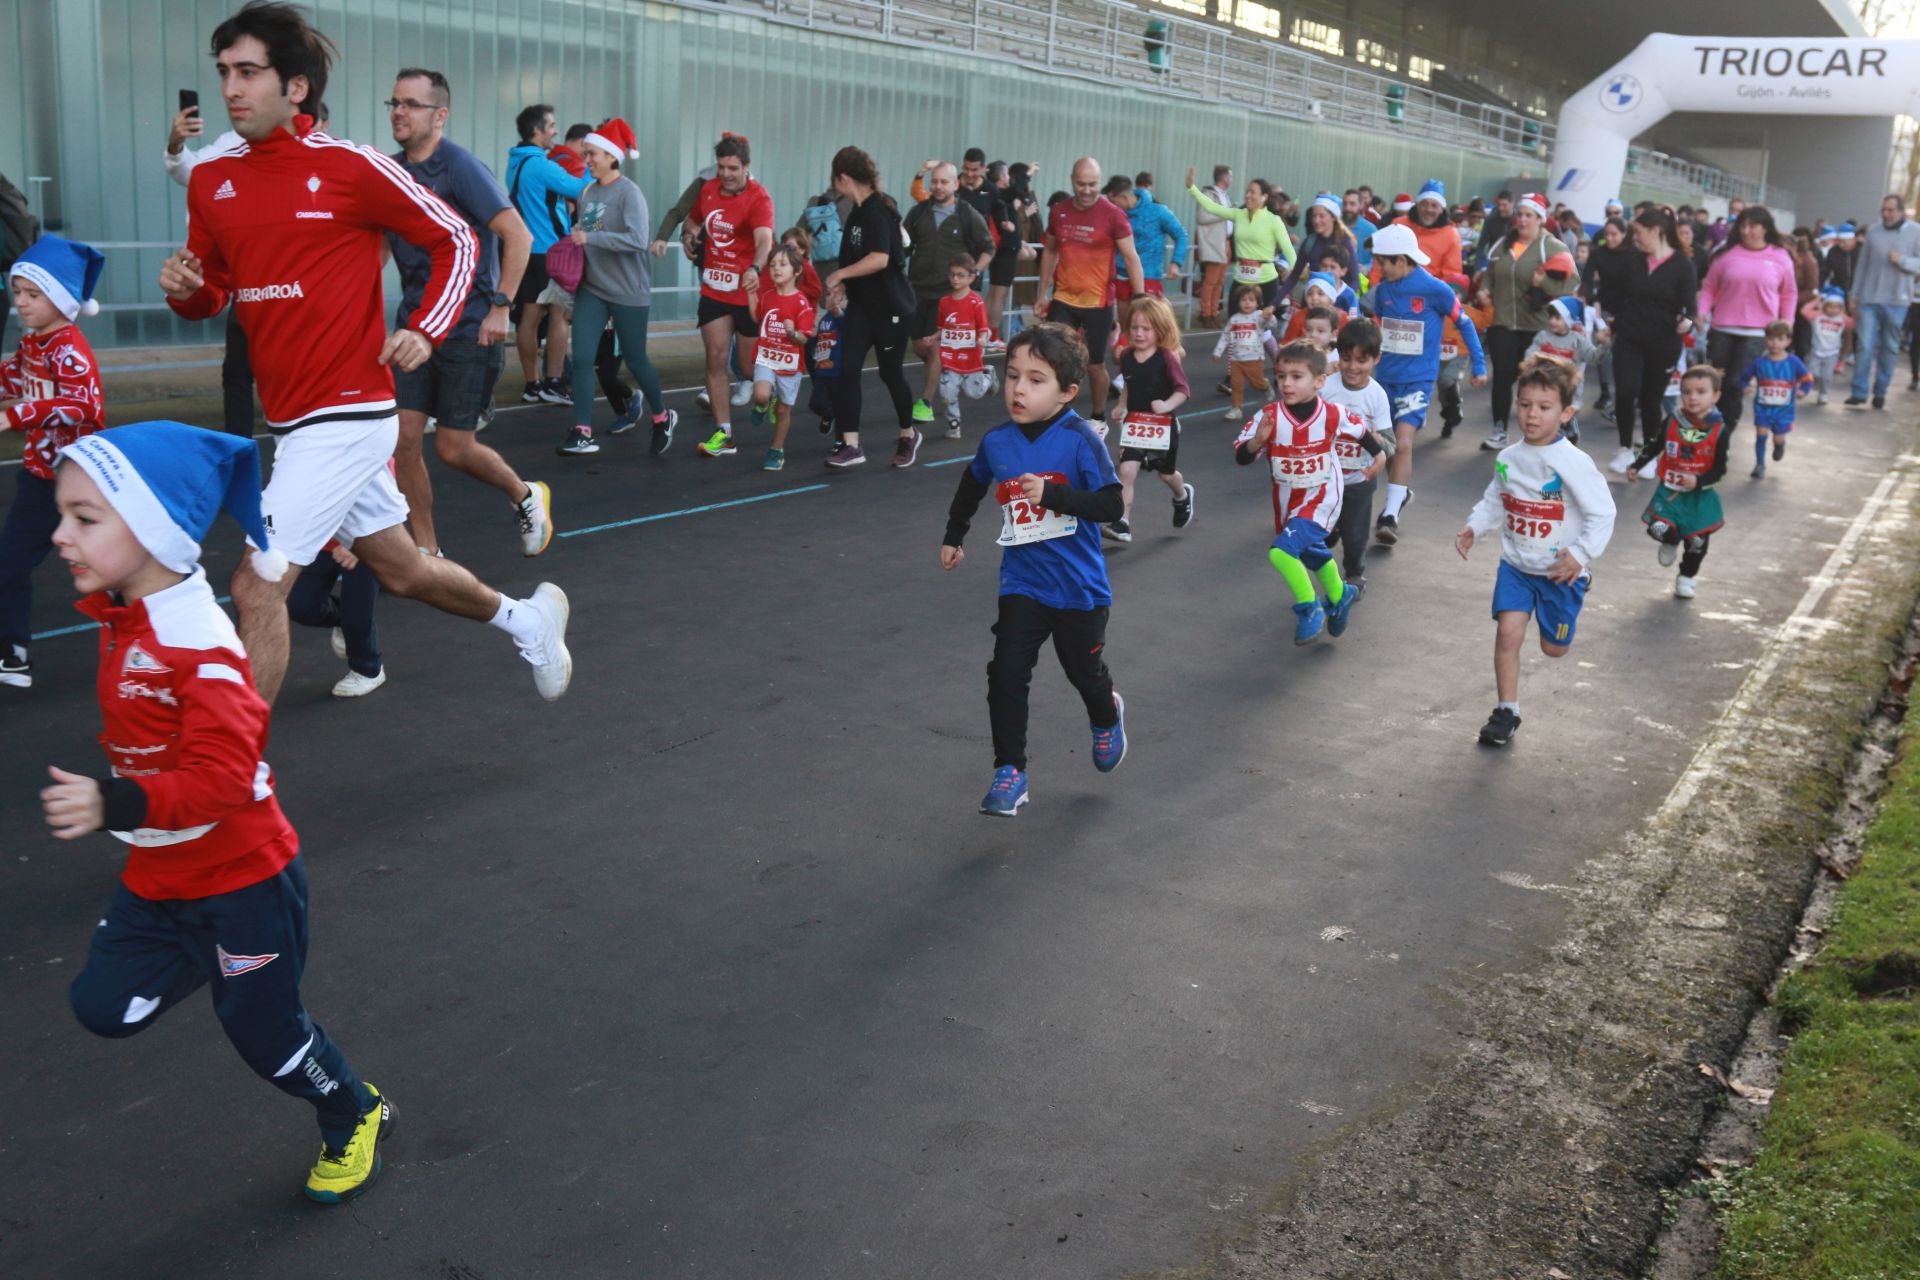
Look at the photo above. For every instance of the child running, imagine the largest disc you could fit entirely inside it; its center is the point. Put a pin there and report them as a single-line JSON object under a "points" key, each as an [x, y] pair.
{"points": [[1156, 387], [1555, 515], [961, 323], [214, 891], [786, 322], [347, 613], [1361, 449], [1692, 453], [50, 390], [1780, 378], [1243, 343], [1055, 486], [1296, 436], [1565, 339], [1831, 324]]}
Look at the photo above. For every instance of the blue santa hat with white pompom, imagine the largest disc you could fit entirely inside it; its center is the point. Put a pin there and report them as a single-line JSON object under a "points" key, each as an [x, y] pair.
{"points": [[168, 481], [65, 270]]}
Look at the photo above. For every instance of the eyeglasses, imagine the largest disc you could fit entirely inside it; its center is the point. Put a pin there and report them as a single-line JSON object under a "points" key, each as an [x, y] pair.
{"points": [[394, 104]]}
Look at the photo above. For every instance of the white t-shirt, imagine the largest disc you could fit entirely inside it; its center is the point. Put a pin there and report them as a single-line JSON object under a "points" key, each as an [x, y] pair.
{"points": [[1545, 499], [1367, 409]]}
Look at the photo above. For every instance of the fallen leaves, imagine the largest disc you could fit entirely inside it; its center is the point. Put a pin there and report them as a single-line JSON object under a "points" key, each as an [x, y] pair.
{"points": [[1739, 1088]]}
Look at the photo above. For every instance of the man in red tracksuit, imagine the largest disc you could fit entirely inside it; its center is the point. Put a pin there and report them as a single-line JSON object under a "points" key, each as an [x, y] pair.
{"points": [[287, 229]]}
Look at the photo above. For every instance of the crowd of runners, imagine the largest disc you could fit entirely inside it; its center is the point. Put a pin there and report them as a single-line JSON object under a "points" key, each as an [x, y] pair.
{"points": [[1336, 327]]}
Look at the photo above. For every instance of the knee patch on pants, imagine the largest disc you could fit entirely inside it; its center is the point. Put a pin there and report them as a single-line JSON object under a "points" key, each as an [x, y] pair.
{"points": [[111, 1014]]}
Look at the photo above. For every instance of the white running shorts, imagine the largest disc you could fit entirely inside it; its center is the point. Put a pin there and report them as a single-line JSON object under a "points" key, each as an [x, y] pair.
{"points": [[332, 479]]}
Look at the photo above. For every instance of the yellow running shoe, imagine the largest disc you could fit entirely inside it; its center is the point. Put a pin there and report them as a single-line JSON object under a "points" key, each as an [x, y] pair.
{"points": [[341, 1175]]}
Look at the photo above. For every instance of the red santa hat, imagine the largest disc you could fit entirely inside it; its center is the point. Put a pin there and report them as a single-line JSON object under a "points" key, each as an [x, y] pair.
{"points": [[615, 138], [1402, 202], [1535, 201]]}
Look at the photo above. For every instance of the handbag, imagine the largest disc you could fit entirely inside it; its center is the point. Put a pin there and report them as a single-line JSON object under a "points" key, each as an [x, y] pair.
{"points": [[566, 264]]}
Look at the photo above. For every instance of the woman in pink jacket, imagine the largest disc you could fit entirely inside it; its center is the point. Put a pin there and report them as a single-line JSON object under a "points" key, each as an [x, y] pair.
{"points": [[1749, 285]]}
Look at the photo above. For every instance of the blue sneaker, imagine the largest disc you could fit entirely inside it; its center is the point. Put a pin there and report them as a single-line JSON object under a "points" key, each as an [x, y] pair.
{"points": [[1110, 745], [1007, 794], [1313, 620], [1337, 615]]}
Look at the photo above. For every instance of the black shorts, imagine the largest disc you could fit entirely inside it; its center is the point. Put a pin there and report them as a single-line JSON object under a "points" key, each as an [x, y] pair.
{"points": [[1164, 461], [1006, 263], [1094, 323], [533, 283], [454, 385], [925, 321], [710, 310]]}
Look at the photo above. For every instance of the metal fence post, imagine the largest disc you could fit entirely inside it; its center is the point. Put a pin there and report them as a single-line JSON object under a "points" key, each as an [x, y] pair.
{"points": [[976, 26], [1053, 27], [886, 18]]}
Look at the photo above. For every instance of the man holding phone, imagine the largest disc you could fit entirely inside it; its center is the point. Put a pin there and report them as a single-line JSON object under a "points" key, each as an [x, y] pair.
{"points": [[236, 374]]}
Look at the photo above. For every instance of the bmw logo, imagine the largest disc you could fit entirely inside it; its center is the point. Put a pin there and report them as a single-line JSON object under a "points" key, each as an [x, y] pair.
{"points": [[1620, 93]]}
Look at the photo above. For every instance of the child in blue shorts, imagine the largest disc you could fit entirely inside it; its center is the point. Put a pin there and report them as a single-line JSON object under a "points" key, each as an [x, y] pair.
{"points": [[1555, 515], [1782, 378], [1056, 486]]}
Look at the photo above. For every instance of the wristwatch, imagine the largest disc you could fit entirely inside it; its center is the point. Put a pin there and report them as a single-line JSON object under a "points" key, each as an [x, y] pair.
{"points": [[499, 299]]}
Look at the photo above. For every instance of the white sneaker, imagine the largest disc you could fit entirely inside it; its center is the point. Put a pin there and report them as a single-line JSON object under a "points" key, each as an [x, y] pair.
{"points": [[552, 664], [339, 639], [953, 428], [743, 393], [1233, 415], [704, 400], [355, 685], [1496, 439], [1622, 459], [535, 514], [1683, 588]]}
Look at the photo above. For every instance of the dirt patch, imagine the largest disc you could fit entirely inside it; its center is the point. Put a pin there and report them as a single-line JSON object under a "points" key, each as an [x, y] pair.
{"points": [[1889, 977]]}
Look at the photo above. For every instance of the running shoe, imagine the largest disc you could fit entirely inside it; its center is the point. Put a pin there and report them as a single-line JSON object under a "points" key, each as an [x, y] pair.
{"points": [[1622, 459], [342, 1174], [826, 426], [704, 400], [1311, 620], [1446, 427], [1854, 402], [1119, 530], [1571, 432], [846, 455], [530, 394], [776, 460], [1386, 530], [1822, 399], [1183, 509], [742, 393], [922, 411], [1879, 402], [717, 445], [1779, 448], [1338, 614], [953, 428], [762, 414], [1500, 727], [579, 440], [1225, 388], [1759, 471], [907, 448], [485, 419], [1669, 552], [1007, 794], [338, 639], [552, 664], [663, 433], [535, 516], [552, 393], [1233, 415], [1110, 744], [627, 420], [355, 685], [1496, 438], [15, 670], [1683, 588]]}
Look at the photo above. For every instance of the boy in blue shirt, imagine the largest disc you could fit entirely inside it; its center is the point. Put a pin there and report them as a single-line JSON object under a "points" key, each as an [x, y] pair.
{"points": [[1412, 309], [1056, 487], [1783, 378]]}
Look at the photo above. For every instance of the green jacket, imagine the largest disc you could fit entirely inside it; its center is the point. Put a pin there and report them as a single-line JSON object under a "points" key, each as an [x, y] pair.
{"points": [[963, 234], [1509, 278]]}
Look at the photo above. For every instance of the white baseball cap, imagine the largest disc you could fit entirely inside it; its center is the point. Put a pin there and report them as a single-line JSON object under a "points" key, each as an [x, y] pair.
{"points": [[1398, 241]]}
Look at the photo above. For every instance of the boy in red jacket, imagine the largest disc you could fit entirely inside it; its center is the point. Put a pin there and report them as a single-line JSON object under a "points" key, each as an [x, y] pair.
{"points": [[213, 892]]}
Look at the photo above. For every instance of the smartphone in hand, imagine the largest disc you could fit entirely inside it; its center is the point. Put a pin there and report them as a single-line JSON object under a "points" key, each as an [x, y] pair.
{"points": [[189, 99]]}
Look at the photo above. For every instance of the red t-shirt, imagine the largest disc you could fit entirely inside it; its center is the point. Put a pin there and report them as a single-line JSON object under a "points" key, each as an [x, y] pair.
{"points": [[1087, 240], [785, 321], [963, 333], [728, 223], [570, 160]]}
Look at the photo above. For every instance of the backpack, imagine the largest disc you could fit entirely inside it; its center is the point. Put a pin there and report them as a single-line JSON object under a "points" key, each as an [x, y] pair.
{"points": [[18, 227], [822, 221]]}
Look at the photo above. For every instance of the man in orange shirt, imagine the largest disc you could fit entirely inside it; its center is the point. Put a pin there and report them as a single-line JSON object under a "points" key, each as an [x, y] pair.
{"points": [[1076, 270]]}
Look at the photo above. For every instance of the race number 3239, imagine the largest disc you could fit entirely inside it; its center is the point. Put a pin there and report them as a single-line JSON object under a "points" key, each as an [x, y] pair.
{"points": [[1148, 431]]}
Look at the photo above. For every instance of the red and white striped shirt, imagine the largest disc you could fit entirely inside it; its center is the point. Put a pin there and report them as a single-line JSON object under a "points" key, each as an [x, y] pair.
{"points": [[288, 229], [1301, 461]]}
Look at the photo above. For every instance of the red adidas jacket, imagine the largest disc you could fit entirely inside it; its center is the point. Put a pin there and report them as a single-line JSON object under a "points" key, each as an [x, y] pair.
{"points": [[289, 230], [184, 732], [57, 380]]}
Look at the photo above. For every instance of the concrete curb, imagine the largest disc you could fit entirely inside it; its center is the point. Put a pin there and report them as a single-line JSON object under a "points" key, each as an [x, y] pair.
{"points": [[1574, 1098]]}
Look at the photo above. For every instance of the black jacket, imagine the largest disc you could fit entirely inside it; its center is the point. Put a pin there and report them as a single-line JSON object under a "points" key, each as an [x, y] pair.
{"points": [[1648, 304]]}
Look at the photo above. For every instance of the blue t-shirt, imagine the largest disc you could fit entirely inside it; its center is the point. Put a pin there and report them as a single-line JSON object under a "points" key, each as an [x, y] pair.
{"points": [[1412, 314], [540, 189], [1068, 572], [456, 175], [1779, 382]]}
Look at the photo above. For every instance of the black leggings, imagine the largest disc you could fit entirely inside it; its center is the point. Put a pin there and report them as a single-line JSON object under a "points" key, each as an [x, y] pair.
{"points": [[1733, 354], [1913, 339], [1692, 550], [858, 335], [236, 382], [1504, 348], [1079, 640], [1641, 371]]}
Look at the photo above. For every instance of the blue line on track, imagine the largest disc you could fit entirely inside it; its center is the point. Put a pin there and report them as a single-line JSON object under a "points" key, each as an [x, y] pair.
{"points": [[690, 511]]}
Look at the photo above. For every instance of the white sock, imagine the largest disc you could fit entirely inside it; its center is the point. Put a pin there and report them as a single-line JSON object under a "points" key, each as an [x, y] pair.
{"points": [[1510, 706], [519, 619], [1396, 498]]}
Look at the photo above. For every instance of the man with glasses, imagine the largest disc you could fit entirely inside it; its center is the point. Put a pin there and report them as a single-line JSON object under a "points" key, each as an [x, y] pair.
{"points": [[456, 382]]}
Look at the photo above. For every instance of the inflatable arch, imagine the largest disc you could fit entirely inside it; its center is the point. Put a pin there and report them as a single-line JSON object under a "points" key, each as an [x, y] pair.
{"points": [[1839, 76]]}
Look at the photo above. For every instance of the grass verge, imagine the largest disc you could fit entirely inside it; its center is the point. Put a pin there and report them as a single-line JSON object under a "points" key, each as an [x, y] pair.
{"points": [[1835, 1191]]}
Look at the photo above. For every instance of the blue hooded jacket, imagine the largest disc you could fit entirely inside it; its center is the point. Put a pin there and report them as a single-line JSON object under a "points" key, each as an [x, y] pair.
{"points": [[1152, 223], [540, 189]]}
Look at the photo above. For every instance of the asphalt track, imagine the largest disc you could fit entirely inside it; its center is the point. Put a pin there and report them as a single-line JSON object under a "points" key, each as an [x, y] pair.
{"points": [[712, 970]]}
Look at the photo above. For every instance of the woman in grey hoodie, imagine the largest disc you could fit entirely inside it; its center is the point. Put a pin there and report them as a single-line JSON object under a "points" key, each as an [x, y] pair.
{"points": [[613, 229]]}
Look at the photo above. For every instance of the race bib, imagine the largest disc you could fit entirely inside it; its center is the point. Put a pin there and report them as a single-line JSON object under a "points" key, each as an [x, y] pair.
{"points": [[1535, 526], [779, 357], [1246, 272], [1775, 393], [1402, 337], [1449, 350], [1023, 522], [1349, 453], [721, 279], [959, 339], [1149, 431], [1303, 468]]}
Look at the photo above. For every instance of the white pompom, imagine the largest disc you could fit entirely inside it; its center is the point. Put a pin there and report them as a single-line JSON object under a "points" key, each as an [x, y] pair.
{"points": [[90, 308], [270, 565], [633, 153]]}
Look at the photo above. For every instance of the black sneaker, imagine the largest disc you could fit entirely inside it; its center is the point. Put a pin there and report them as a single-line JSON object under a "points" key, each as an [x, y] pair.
{"points": [[1446, 427], [1386, 531], [1183, 509], [1119, 531], [531, 393], [1779, 448], [1225, 388], [1879, 402], [1500, 727], [578, 441], [15, 670], [663, 433], [1854, 402], [826, 426], [552, 392]]}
